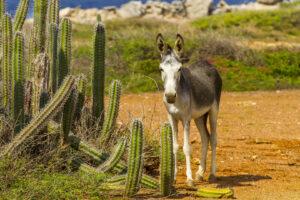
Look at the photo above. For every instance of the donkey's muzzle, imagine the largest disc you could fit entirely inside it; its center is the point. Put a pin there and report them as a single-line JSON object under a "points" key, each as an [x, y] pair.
{"points": [[171, 98]]}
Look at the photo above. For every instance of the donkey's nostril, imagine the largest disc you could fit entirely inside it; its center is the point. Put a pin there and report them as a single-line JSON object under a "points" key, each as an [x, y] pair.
{"points": [[170, 98]]}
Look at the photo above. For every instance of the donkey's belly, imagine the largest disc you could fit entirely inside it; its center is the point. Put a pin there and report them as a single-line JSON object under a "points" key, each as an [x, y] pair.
{"points": [[199, 112]]}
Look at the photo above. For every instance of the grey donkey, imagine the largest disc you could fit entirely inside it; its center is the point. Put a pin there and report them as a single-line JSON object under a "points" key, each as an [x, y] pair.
{"points": [[192, 92]]}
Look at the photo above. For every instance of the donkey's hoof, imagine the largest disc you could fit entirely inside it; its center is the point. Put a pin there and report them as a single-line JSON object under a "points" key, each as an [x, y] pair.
{"points": [[190, 183], [212, 178], [199, 177]]}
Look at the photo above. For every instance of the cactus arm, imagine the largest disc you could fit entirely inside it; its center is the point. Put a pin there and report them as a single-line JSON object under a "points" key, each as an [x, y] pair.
{"points": [[135, 159], [98, 78], [39, 25], [81, 87], [167, 161], [52, 52], [64, 54], [18, 81], [112, 113], [7, 59], [53, 12], [215, 193], [116, 156], [149, 182], [21, 15], [42, 118]]}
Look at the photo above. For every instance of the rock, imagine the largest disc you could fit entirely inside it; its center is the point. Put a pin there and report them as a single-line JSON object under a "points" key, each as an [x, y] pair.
{"points": [[269, 2], [132, 9], [198, 8]]}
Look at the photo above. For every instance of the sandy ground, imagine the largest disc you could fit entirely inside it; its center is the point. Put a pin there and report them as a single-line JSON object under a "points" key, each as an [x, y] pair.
{"points": [[258, 142]]}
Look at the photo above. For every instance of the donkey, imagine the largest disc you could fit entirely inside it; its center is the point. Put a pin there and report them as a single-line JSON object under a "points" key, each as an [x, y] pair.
{"points": [[192, 92]]}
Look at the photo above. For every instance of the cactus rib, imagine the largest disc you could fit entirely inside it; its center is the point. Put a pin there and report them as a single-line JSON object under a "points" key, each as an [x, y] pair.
{"points": [[52, 52], [116, 156], [135, 159], [21, 15], [167, 161], [42, 118], [112, 113]]}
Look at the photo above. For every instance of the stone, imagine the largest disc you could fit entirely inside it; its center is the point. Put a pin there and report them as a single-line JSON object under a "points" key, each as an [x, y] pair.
{"points": [[269, 2], [132, 9], [198, 8]]}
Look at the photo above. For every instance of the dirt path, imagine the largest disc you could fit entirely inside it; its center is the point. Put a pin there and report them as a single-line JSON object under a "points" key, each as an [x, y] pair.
{"points": [[258, 141]]}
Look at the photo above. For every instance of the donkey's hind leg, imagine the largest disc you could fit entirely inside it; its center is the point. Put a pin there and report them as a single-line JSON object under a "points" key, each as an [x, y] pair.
{"points": [[213, 117], [201, 124]]}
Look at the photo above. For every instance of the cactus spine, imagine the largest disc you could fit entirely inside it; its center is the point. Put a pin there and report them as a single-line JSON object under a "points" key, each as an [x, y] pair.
{"points": [[112, 113], [135, 159], [42, 118], [98, 79], [116, 156], [7, 56], [18, 81], [64, 55], [166, 161], [53, 12], [52, 52], [39, 25], [21, 15]]}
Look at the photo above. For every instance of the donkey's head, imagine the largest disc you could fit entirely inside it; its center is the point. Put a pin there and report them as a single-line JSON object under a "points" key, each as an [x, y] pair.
{"points": [[171, 65]]}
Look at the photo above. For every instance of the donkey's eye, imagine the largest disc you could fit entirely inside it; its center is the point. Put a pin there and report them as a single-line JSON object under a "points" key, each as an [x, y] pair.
{"points": [[161, 69]]}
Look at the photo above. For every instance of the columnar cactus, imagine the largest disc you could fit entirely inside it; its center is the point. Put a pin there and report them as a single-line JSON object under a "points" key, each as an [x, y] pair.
{"points": [[18, 81], [6, 62], [39, 25], [135, 159], [166, 161], [52, 52], [98, 71], [53, 12], [42, 118], [116, 156], [2, 8], [21, 15], [112, 112], [81, 88], [64, 54]]}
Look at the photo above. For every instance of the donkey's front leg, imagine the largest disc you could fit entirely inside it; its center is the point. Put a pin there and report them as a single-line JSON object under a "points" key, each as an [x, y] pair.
{"points": [[187, 152], [174, 123]]}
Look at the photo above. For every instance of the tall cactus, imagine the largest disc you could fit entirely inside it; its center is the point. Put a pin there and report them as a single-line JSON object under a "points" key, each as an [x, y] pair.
{"points": [[42, 118], [2, 8], [81, 88], [18, 81], [7, 62], [64, 54], [112, 113], [21, 15], [39, 25], [52, 52], [98, 71], [167, 161], [135, 159], [53, 12]]}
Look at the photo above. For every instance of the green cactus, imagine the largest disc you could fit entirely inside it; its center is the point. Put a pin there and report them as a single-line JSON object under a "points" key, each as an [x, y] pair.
{"points": [[98, 78], [21, 15], [7, 59], [52, 52], [39, 25], [149, 182], [2, 8], [116, 156], [68, 115], [42, 118], [53, 12], [135, 159], [81, 88], [112, 113], [64, 54], [31, 55], [166, 161], [18, 81]]}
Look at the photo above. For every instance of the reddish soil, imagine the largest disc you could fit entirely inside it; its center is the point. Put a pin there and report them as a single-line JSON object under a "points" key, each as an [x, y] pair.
{"points": [[258, 142]]}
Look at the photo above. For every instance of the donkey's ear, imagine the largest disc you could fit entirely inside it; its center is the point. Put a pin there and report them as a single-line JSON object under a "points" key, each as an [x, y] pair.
{"points": [[179, 45], [160, 43]]}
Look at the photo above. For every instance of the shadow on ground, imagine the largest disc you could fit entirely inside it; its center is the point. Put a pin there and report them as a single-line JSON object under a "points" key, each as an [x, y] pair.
{"points": [[239, 180]]}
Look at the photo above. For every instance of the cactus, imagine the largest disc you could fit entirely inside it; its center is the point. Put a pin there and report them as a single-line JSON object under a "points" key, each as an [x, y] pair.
{"points": [[53, 12], [116, 156], [42, 118], [64, 54], [2, 8], [52, 52], [7, 59], [166, 161], [39, 25], [215, 193], [135, 159], [81, 88], [21, 15], [18, 81], [31, 55], [112, 113], [28, 97], [68, 115], [98, 79]]}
